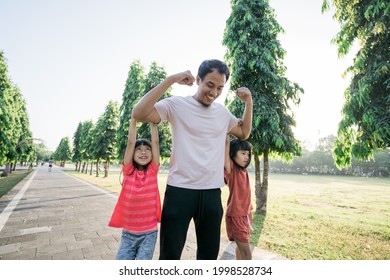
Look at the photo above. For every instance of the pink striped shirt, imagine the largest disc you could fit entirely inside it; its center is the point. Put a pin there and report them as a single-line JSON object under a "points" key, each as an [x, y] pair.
{"points": [[138, 208]]}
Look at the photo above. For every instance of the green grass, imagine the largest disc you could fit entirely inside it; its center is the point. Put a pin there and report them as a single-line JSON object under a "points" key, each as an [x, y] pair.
{"points": [[326, 217], [314, 217], [7, 183]]}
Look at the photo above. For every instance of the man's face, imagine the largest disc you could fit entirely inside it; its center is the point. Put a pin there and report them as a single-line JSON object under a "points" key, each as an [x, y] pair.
{"points": [[210, 87]]}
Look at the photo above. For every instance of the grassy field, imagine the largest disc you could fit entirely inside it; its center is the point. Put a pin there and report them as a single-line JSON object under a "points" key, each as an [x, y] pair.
{"points": [[7, 183], [314, 217]]}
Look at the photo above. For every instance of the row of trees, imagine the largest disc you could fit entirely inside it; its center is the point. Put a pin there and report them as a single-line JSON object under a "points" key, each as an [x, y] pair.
{"points": [[105, 141], [16, 139], [321, 161]]}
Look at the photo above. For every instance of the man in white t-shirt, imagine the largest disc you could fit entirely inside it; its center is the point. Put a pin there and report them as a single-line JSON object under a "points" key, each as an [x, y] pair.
{"points": [[199, 127]]}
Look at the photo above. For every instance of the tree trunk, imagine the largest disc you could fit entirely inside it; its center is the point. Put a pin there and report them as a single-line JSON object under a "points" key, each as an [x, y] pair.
{"points": [[6, 170], [90, 171], [97, 168], [76, 165], [257, 182], [264, 185], [106, 166]]}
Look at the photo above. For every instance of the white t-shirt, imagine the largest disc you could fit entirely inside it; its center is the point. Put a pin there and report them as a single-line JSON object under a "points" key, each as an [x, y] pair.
{"points": [[198, 141]]}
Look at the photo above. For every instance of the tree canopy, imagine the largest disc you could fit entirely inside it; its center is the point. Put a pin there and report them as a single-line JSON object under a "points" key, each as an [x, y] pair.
{"points": [[16, 139], [154, 77], [104, 141], [132, 93], [63, 152], [365, 124]]}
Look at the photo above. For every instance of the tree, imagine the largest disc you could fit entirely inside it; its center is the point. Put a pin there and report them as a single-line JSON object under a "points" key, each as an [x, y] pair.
{"points": [[365, 124], [256, 60], [104, 141], [77, 146], [22, 144], [5, 114], [86, 142], [63, 152], [16, 142], [154, 77], [133, 92]]}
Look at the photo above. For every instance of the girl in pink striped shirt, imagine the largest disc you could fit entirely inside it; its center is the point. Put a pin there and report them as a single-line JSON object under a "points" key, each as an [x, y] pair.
{"points": [[138, 210]]}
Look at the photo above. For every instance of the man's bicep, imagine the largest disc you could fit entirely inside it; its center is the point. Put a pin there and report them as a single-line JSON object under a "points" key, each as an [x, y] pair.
{"points": [[153, 117]]}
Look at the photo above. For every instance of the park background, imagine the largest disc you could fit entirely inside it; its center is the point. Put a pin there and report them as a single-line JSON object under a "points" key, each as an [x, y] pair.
{"points": [[78, 58]]}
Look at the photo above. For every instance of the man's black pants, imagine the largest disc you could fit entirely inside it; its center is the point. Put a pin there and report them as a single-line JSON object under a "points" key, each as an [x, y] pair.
{"points": [[179, 207]]}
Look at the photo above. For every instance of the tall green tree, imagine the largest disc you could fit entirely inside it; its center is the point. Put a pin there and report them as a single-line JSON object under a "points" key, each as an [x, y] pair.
{"points": [[134, 89], [86, 144], [365, 124], [105, 136], [256, 60], [22, 141], [16, 142], [77, 146], [63, 153], [154, 77], [5, 126]]}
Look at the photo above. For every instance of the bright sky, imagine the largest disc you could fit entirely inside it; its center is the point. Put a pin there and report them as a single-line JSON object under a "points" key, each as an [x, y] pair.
{"points": [[69, 58]]}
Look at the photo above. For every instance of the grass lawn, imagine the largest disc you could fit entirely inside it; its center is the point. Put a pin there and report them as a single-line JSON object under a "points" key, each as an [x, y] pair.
{"points": [[313, 217], [7, 183]]}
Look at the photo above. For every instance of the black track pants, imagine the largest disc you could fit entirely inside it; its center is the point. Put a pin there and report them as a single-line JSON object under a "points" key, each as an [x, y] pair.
{"points": [[179, 207]]}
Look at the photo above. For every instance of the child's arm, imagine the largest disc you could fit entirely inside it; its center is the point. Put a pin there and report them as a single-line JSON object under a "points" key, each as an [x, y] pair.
{"points": [[131, 138], [155, 143], [227, 157]]}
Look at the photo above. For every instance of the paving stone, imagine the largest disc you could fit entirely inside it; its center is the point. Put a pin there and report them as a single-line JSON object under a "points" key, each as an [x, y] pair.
{"points": [[51, 249], [86, 235], [29, 254], [71, 255], [9, 248], [87, 243]]}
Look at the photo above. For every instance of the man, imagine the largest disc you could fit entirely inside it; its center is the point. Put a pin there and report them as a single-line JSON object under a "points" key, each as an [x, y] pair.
{"points": [[199, 127]]}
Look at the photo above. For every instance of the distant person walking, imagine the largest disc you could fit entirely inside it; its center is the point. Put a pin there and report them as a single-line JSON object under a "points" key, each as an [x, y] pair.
{"points": [[238, 212], [50, 164], [138, 210]]}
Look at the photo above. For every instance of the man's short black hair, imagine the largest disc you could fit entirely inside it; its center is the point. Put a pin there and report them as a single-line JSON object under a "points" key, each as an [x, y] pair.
{"points": [[210, 65]]}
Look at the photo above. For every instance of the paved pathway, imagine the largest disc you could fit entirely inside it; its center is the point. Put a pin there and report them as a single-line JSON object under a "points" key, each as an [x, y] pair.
{"points": [[54, 216]]}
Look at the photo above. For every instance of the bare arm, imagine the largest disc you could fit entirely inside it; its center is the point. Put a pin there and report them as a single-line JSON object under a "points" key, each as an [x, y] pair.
{"points": [[227, 157], [243, 131], [144, 110], [131, 138], [155, 143]]}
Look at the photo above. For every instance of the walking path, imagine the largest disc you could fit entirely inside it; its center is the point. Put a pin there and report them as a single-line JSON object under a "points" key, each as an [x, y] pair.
{"points": [[54, 216]]}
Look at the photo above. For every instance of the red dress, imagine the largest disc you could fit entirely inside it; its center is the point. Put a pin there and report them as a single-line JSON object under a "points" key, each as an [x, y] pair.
{"points": [[239, 202], [139, 207]]}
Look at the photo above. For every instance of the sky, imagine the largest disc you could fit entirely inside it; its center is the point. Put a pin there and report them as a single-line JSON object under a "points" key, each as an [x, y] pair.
{"points": [[70, 58]]}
